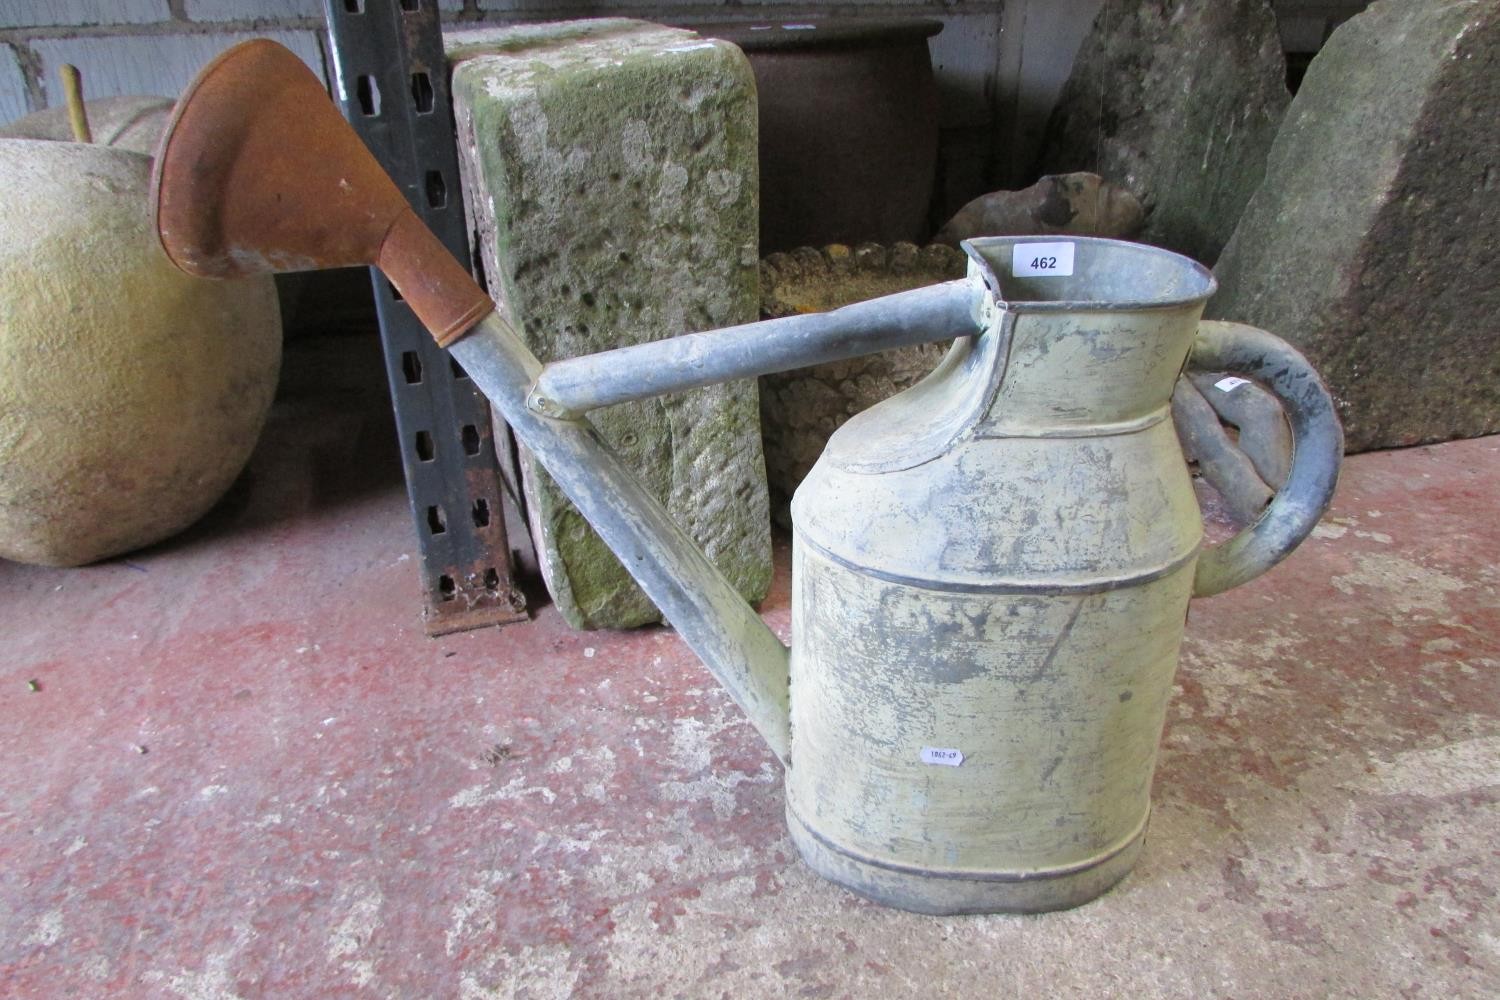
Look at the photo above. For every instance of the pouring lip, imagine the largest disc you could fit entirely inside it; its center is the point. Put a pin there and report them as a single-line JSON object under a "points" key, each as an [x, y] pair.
{"points": [[975, 248]]}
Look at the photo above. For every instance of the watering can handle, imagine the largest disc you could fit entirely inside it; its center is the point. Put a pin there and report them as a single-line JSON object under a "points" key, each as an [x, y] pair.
{"points": [[1317, 450]]}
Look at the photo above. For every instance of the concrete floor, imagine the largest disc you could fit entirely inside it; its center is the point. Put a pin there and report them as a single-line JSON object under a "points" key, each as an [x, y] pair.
{"points": [[248, 773]]}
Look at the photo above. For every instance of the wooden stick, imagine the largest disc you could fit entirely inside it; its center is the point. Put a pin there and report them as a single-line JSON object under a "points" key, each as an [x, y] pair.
{"points": [[78, 116]]}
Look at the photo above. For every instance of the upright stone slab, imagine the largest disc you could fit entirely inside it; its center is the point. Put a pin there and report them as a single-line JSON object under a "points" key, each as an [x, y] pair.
{"points": [[1374, 243], [1178, 100], [610, 172]]}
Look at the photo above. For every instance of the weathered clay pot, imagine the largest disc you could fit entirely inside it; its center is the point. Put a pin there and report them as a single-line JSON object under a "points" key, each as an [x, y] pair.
{"points": [[131, 394], [848, 128], [800, 410]]}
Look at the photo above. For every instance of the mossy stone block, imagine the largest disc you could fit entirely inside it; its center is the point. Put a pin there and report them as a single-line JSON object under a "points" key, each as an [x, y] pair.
{"points": [[1178, 100], [609, 169], [1374, 243]]}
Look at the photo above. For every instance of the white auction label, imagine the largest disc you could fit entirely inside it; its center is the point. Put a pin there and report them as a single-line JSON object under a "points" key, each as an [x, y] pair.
{"points": [[1052, 260], [946, 756], [1230, 384]]}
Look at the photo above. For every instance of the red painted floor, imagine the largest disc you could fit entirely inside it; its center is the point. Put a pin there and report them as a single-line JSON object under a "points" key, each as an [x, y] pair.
{"points": [[247, 772]]}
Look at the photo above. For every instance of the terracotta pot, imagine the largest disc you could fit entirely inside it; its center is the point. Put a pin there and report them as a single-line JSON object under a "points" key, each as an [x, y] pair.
{"points": [[848, 129]]}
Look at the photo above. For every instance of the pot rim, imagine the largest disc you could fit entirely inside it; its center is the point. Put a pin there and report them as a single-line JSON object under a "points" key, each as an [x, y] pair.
{"points": [[798, 34]]}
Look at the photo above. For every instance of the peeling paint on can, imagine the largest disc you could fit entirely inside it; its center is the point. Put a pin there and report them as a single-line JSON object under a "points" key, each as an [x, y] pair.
{"points": [[1000, 559]]}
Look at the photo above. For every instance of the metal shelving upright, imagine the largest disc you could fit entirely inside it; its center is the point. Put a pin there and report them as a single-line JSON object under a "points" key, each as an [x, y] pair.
{"points": [[390, 79]]}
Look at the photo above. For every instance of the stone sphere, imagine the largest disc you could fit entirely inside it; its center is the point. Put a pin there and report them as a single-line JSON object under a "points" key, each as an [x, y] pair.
{"points": [[131, 394]]}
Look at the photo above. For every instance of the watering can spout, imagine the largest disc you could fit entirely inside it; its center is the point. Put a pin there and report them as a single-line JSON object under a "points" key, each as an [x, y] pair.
{"points": [[694, 596], [258, 172]]}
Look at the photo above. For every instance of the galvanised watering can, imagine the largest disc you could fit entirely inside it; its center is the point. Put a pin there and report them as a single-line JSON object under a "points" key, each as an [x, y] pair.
{"points": [[991, 570]]}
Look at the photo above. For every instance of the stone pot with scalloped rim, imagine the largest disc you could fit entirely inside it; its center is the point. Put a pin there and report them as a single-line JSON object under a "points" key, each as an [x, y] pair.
{"points": [[800, 410]]}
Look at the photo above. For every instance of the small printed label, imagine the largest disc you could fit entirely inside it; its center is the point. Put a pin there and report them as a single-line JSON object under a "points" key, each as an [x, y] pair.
{"points": [[1230, 384], [1051, 260], [946, 756]]}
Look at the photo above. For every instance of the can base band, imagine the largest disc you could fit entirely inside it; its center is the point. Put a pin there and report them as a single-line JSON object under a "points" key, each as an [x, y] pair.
{"points": [[944, 893]]}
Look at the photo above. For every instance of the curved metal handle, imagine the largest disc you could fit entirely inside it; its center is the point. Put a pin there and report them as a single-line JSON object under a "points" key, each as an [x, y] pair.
{"points": [[1317, 442]]}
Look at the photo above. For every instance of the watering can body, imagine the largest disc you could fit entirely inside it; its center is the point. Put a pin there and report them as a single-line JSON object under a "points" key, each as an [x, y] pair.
{"points": [[991, 571]]}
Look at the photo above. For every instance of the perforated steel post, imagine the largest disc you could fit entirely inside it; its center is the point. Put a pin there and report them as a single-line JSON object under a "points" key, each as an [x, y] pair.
{"points": [[390, 80]]}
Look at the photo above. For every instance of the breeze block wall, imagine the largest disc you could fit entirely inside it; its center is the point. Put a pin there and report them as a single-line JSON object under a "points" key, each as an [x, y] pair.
{"points": [[137, 46]]}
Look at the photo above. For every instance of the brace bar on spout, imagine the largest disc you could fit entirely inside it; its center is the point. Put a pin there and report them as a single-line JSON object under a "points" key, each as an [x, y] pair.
{"points": [[922, 316], [696, 599]]}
